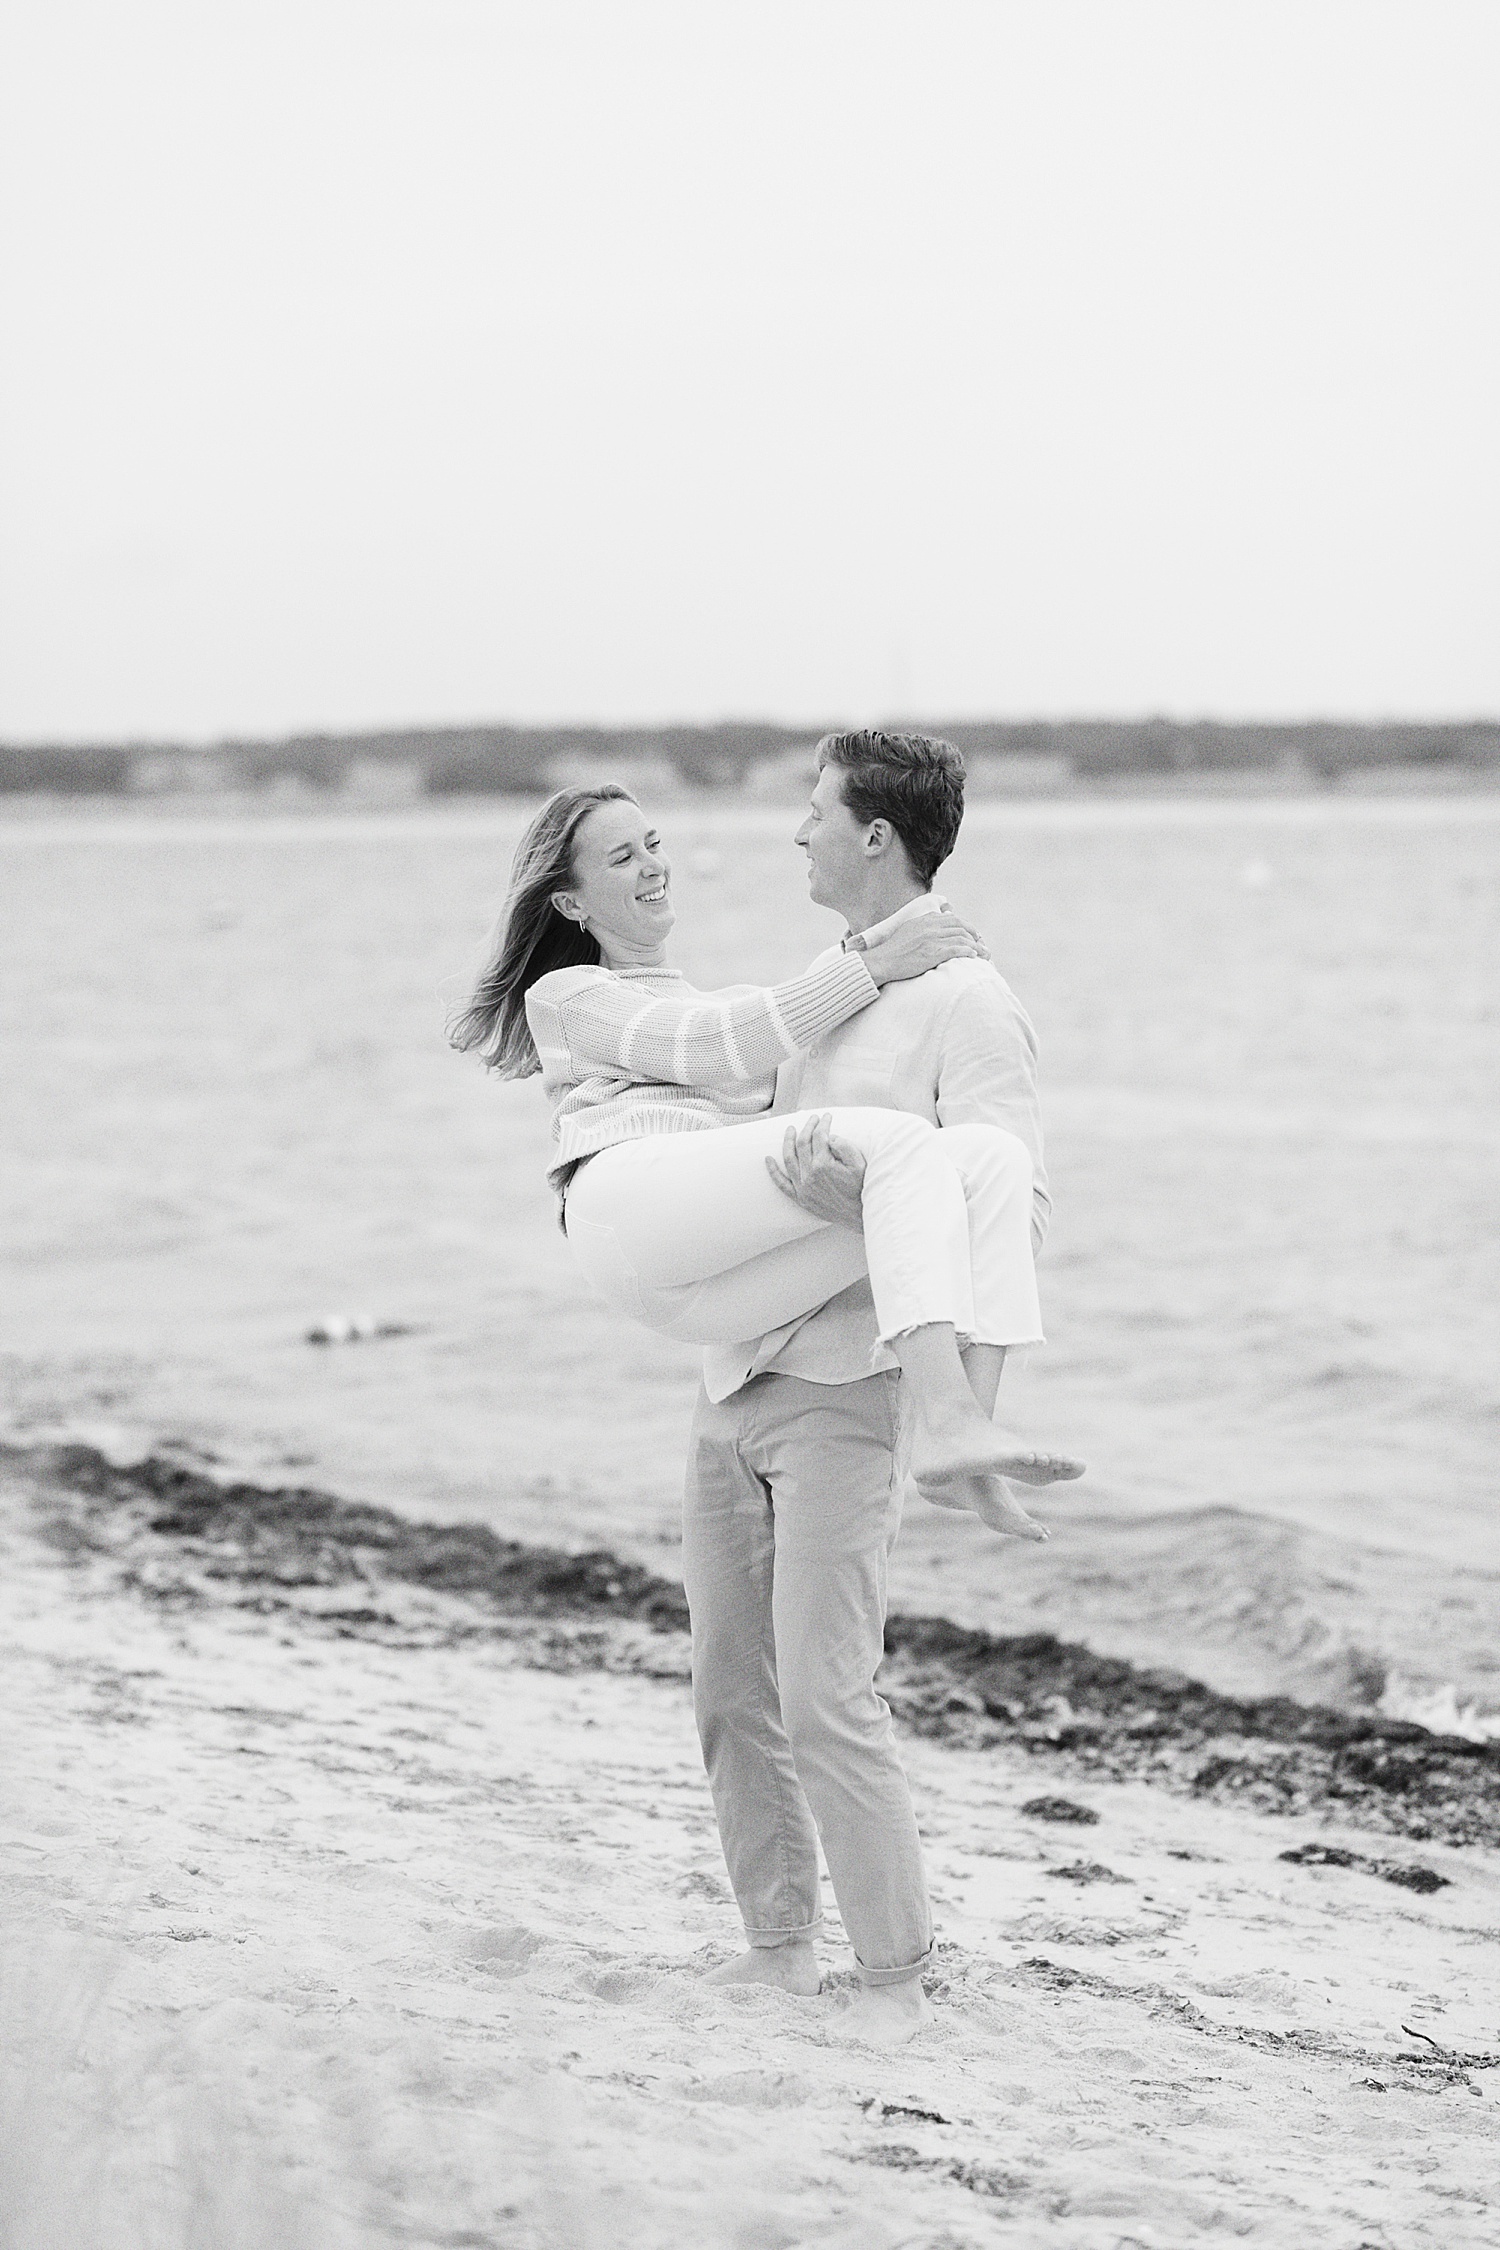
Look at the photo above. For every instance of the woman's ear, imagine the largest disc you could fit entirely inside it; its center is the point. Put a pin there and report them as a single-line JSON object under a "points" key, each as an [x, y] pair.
{"points": [[567, 905]]}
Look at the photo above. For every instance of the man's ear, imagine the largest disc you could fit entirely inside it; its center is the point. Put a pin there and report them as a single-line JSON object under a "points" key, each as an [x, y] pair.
{"points": [[878, 838]]}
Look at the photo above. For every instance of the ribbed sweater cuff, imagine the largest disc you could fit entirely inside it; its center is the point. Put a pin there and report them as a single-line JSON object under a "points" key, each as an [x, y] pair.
{"points": [[826, 998]]}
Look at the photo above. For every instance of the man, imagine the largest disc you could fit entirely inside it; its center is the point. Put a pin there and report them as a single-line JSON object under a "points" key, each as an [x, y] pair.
{"points": [[797, 1457]]}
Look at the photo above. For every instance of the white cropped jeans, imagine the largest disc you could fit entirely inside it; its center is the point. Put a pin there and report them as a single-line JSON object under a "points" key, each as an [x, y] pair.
{"points": [[688, 1233]]}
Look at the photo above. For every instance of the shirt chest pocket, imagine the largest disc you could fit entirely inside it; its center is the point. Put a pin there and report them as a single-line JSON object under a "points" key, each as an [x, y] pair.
{"points": [[862, 1075]]}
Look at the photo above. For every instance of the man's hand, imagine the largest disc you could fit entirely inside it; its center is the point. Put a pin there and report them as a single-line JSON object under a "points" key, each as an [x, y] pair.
{"points": [[821, 1173]]}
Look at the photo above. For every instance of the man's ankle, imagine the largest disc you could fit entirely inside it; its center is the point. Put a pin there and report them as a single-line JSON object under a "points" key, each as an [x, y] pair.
{"points": [[887, 2015]]}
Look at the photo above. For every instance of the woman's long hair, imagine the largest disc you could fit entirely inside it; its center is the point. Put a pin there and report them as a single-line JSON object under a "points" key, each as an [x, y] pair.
{"points": [[531, 937]]}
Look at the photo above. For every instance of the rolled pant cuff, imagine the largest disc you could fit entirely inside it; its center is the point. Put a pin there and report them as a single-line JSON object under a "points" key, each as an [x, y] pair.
{"points": [[894, 1976], [766, 1941]]}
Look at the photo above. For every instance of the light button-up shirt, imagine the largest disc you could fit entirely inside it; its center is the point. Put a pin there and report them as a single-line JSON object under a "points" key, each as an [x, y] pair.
{"points": [[954, 1046]]}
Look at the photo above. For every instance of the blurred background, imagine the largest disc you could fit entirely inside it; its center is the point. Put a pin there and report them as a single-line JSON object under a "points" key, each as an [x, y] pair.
{"points": [[410, 408]]}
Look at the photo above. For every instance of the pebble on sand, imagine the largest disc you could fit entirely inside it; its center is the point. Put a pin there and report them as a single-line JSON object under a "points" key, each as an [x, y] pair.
{"points": [[1060, 1808]]}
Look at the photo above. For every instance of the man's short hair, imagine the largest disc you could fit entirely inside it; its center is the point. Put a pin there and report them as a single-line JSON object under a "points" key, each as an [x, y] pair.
{"points": [[915, 781]]}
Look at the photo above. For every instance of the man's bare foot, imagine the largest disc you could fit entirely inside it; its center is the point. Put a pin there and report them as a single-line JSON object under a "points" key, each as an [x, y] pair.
{"points": [[991, 1499], [967, 1445], [790, 1968], [887, 2015]]}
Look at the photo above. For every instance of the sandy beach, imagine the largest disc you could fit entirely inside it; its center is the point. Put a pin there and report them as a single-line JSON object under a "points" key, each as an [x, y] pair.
{"points": [[347, 1902]]}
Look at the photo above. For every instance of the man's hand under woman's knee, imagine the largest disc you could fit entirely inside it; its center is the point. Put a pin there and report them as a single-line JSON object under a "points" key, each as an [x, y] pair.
{"points": [[821, 1173]]}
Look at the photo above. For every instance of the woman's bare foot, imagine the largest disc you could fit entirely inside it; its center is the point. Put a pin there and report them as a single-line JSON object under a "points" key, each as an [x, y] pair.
{"points": [[991, 1499], [968, 1445], [887, 2015], [790, 1968]]}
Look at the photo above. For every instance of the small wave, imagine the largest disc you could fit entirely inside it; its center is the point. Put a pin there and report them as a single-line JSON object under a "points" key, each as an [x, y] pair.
{"points": [[1438, 1709]]}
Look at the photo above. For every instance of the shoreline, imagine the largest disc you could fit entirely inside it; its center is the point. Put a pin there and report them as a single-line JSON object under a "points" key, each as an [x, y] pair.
{"points": [[184, 1539]]}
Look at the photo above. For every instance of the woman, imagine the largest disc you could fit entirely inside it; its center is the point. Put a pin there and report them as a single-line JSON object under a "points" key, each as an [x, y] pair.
{"points": [[660, 1097]]}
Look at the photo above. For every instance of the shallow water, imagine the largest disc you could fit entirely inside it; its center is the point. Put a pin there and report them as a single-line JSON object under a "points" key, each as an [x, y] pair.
{"points": [[1271, 1051]]}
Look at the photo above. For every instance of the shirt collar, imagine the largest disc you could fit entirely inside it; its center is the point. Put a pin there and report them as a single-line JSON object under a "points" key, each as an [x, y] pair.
{"points": [[930, 902]]}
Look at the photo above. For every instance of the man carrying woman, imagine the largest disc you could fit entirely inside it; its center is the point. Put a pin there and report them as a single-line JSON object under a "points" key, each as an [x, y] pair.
{"points": [[898, 1236]]}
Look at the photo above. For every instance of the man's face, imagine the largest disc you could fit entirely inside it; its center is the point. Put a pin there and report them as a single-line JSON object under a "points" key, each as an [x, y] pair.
{"points": [[834, 841]]}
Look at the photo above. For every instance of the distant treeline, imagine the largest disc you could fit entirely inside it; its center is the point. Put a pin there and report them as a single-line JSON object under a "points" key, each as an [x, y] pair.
{"points": [[450, 761]]}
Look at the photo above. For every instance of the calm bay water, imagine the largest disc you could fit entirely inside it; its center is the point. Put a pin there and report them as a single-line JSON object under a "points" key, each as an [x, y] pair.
{"points": [[1271, 1051]]}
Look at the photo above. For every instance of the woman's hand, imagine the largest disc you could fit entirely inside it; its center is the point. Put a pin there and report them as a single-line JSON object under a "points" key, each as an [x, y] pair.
{"points": [[924, 942]]}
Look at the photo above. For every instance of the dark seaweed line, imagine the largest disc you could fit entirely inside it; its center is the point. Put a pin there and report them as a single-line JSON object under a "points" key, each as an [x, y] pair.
{"points": [[1432, 2063], [1104, 1715]]}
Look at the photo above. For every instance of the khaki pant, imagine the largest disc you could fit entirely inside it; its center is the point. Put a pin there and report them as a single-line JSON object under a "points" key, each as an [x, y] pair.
{"points": [[792, 1508]]}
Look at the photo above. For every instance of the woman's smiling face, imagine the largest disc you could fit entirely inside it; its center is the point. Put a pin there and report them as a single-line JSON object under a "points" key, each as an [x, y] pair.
{"points": [[621, 884]]}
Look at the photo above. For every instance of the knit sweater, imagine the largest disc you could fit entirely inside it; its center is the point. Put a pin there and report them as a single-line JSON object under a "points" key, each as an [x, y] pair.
{"points": [[637, 1051]]}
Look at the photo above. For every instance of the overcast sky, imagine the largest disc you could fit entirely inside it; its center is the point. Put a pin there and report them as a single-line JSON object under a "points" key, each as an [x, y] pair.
{"points": [[423, 360]]}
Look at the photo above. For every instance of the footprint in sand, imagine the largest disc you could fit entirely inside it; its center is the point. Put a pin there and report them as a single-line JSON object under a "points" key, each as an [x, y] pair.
{"points": [[620, 1984], [504, 1951], [756, 2089]]}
